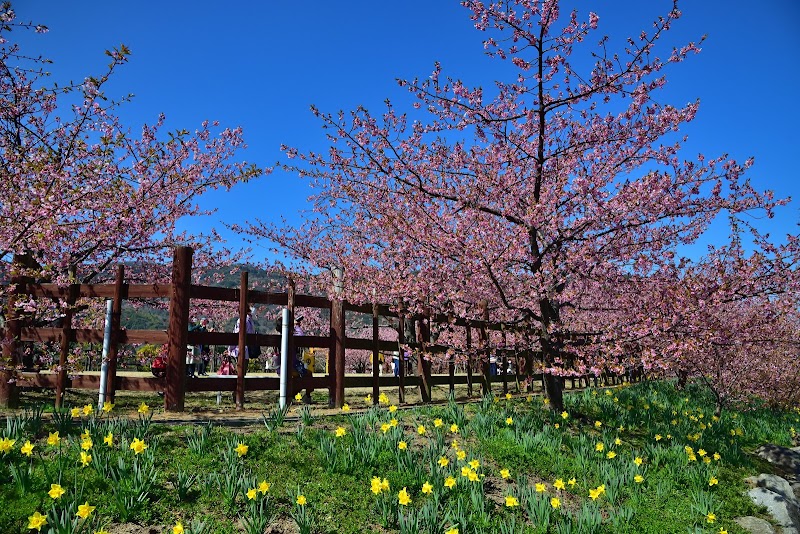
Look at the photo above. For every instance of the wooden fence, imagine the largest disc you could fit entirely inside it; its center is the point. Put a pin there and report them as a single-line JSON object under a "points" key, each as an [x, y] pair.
{"points": [[177, 336]]}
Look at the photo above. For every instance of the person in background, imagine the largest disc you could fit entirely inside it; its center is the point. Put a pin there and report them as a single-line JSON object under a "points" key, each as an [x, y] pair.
{"points": [[192, 351], [250, 329], [204, 351], [396, 363], [492, 364]]}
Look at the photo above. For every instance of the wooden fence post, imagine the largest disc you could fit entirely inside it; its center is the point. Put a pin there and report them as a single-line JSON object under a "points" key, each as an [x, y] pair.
{"points": [[401, 337], [469, 359], [116, 315], [241, 360], [376, 364], [9, 391], [337, 334], [483, 341], [66, 337], [178, 330], [423, 363]]}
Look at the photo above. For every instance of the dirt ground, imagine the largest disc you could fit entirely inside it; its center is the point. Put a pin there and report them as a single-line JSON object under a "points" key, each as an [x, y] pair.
{"points": [[220, 408]]}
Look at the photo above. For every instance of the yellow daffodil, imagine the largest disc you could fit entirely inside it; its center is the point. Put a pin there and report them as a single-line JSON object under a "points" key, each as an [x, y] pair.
{"points": [[264, 486], [509, 421], [572, 482], [658, 437], [301, 500], [540, 487], [599, 447], [6, 444], [241, 449], [638, 479], [383, 398], [298, 397], [511, 501], [138, 446], [402, 445], [443, 461], [368, 399], [421, 430], [27, 448], [87, 410], [710, 517], [449, 482], [85, 434], [594, 494], [564, 415], [465, 471], [53, 439], [505, 473], [345, 407], [403, 497], [87, 444], [375, 485], [56, 491], [472, 476], [437, 423], [251, 493], [617, 442], [393, 422], [85, 459], [36, 521], [555, 502], [109, 439], [427, 487], [598, 424], [84, 510], [385, 427], [713, 481], [638, 460], [392, 408], [611, 455], [75, 413], [340, 431], [385, 484], [559, 484], [143, 409], [453, 530], [107, 406], [178, 528], [454, 428], [474, 464], [717, 456], [461, 455], [508, 396]]}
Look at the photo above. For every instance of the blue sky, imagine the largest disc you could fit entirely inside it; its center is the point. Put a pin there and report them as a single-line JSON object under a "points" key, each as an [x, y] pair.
{"points": [[260, 65]]}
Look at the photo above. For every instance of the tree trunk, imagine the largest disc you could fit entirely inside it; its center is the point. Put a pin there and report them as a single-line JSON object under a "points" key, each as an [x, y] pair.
{"points": [[554, 389]]}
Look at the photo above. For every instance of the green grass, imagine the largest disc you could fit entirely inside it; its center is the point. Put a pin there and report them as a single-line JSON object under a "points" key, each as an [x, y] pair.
{"points": [[541, 449]]}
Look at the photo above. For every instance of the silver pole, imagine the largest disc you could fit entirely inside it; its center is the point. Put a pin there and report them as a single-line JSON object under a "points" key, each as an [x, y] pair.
{"points": [[106, 347], [284, 358]]}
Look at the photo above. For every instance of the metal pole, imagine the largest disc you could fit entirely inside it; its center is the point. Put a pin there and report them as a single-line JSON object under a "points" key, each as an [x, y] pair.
{"points": [[106, 346], [284, 358]]}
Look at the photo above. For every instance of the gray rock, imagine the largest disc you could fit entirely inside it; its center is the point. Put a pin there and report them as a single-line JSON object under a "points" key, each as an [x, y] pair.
{"points": [[785, 513], [755, 525], [788, 459], [778, 485]]}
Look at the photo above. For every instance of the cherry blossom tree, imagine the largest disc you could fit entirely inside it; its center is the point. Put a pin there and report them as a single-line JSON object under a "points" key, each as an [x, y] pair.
{"points": [[566, 175], [729, 321], [82, 190]]}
